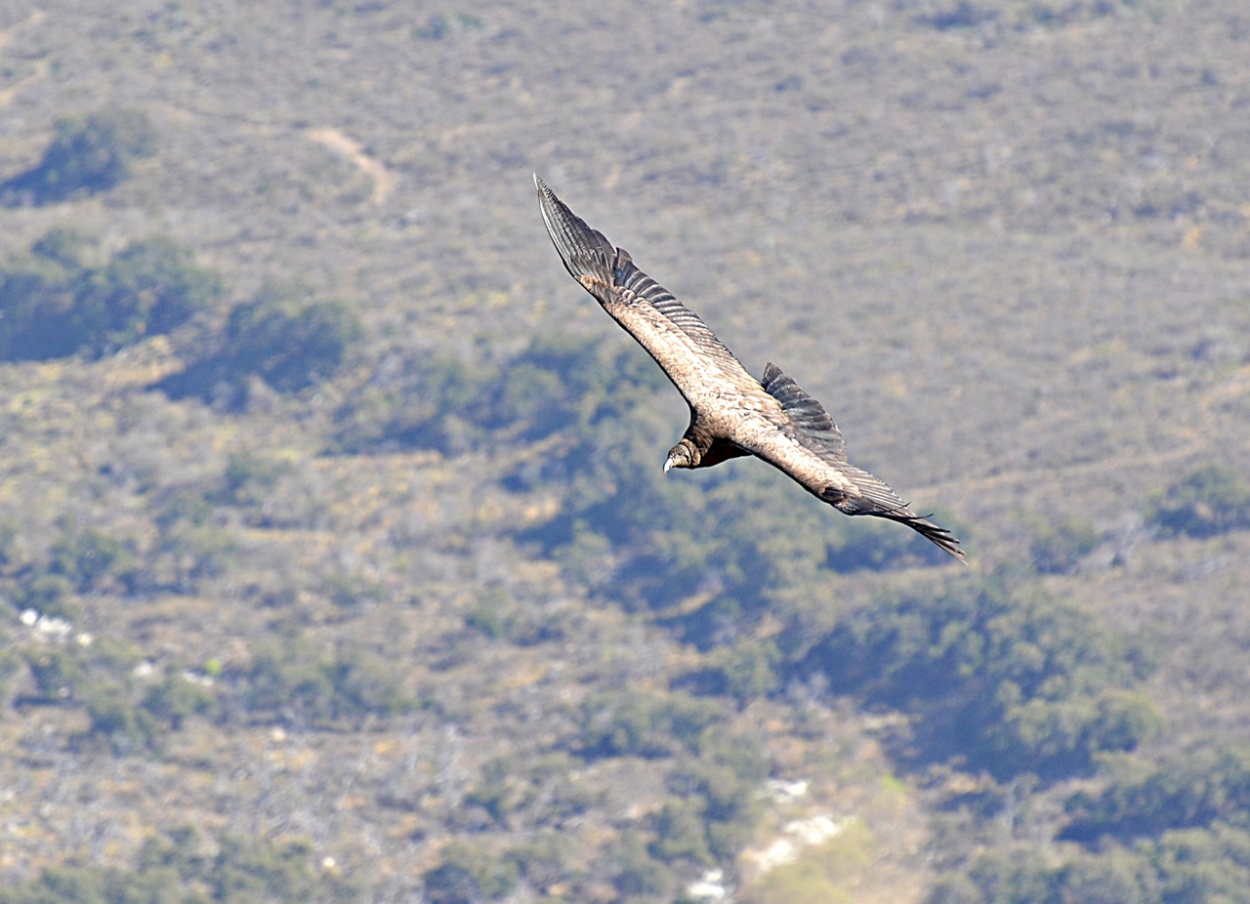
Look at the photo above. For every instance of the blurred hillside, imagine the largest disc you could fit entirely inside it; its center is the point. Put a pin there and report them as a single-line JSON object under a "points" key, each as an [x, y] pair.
{"points": [[336, 559]]}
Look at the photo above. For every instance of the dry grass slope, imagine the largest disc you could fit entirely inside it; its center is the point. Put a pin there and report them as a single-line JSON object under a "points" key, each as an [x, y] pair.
{"points": [[1007, 244]]}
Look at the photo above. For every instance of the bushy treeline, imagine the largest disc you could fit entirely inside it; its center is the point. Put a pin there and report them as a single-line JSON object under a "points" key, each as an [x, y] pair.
{"points": [[89, 153], [1186, 866], [65, 297], [131, 711], [996, 672], [1193, 789], [128, 712], [600, 417], [451, 404], [293, 683], [60, 299], [1172, 833], [710, 807], [1210, 500], [283, 335], [182, 867]]}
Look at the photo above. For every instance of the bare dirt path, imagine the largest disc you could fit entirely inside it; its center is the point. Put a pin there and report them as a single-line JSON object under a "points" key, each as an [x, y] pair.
{"points": [[41, 67], [335, 140]]}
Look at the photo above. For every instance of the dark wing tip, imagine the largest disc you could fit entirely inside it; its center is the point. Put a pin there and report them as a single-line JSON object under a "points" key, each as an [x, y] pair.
{"points": [[585, 251], [874, 497], [940, 536]]}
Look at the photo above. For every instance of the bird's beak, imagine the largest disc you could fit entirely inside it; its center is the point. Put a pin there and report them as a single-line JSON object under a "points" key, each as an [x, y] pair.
{"points": [[668, 465]]}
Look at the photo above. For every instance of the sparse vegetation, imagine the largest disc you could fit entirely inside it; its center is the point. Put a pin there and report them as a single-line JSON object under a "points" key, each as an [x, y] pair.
{"points": [[383, 587], [183, 868], [1059, 548]]}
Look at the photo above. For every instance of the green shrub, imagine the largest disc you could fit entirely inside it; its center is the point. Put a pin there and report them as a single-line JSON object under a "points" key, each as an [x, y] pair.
{"points": [[440, 25], [89, 153], [681, 833], [150, 287], [546, 858], [133, 720], [66, 246], [124, 726], [176, 698], [87, 557], [1191, 790], [630, 723], [1192, 865], [65, 885], [995, 671], [348, 590], [500, 790], [721, 784], [446, 403], [54, 302], [292, 682], [468, 875], [493, 613], [421, 407], [249, 478], [1059, 548], [745, 671], [1208, 501], [193, 543], [289, 339], [197, 551], [282, 335], [639, 876], [180, 867], [58, 674], [1119, 877], [48, 594]]}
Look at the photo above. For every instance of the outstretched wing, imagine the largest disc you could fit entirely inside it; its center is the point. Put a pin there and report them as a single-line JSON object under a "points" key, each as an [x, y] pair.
{"points": [[698, 363], [807, 445], [773, 419]]}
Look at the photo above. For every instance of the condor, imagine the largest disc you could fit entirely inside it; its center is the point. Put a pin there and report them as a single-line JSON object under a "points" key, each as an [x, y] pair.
{"points": [[731, 413]]}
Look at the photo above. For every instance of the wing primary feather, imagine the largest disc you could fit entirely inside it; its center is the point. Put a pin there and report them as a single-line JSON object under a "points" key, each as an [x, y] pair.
{"points": [[939, 536], [586, 252], [872, 496], [610, 274], [804, 412]]}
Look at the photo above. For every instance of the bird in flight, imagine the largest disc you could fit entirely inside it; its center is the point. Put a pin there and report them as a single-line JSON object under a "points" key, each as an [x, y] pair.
{"points": [[731, 413]]}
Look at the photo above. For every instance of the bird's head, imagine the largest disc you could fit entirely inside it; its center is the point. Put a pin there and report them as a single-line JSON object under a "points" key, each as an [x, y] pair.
{"points": [[682, 455]]}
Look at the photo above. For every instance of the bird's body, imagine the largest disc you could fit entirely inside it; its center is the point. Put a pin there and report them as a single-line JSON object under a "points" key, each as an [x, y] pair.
{"points": [[731, 413]]}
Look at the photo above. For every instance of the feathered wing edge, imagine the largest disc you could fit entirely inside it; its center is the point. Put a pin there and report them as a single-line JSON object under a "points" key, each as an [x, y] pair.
{"points": [[610, 274], [874, 497], [871, 496], [586, 252]]}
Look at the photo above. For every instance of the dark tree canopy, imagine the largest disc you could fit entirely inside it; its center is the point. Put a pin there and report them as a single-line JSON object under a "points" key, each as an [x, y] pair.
{"points": [[54, 301], [89, 153]]}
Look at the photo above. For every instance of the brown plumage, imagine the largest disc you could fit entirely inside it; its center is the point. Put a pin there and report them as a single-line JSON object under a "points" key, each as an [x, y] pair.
{"points": [[731, 413]]}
